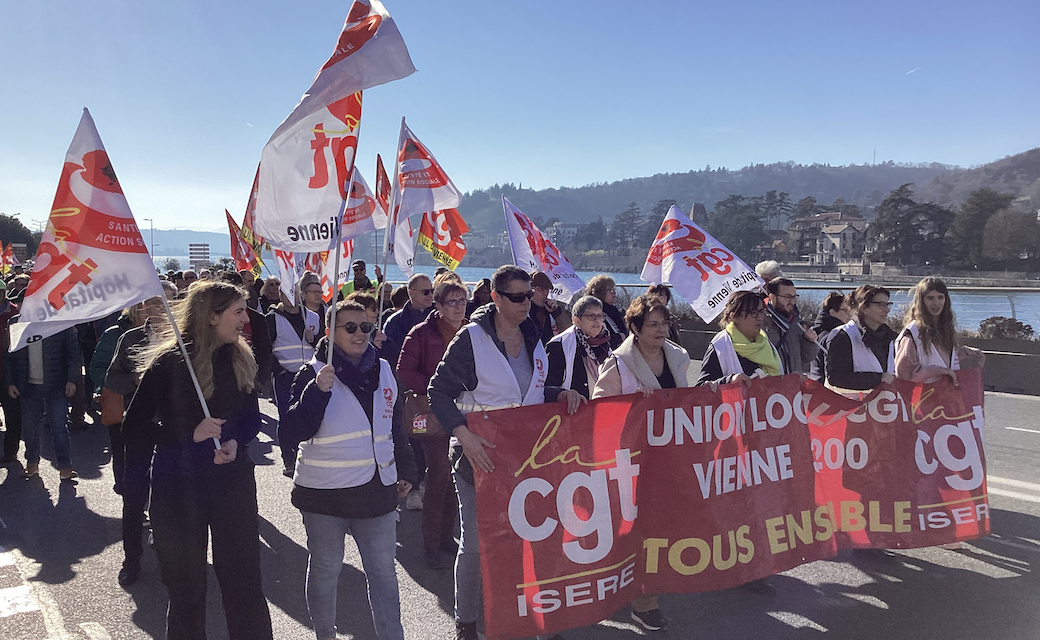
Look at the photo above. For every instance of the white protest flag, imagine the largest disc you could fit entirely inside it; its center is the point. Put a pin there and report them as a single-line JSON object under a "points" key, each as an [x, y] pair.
{"points": [[421, 185], [289, 272], [697, 266], [363, 213], [533, 251], [92, 260], [305, 167], [402, 244]]}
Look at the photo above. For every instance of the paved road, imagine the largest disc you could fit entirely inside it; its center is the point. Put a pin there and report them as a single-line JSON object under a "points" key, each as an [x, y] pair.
{"points": [[61, 553]]}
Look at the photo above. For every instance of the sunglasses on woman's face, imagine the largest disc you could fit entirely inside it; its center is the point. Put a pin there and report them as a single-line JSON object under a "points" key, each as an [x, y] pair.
{"points": [[352, 327], [518, 298]]}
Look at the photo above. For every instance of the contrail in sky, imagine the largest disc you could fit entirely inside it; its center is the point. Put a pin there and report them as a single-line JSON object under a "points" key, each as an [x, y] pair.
{"points": [[912, 70]]}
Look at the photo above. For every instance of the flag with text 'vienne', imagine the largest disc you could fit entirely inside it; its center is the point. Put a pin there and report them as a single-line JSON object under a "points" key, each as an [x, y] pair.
{"points": [[697, 266], [420, 186], [441, 234], [92, 260], [305, 167], [532, 251], [241, 251]]}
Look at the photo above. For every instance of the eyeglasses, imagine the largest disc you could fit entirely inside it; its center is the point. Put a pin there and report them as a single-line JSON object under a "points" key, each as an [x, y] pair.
{"points": [[518, 298], [352, 327], [887, 305], [756, 313], [610, 291], [593, 317], [425, 292], [457, 302]]}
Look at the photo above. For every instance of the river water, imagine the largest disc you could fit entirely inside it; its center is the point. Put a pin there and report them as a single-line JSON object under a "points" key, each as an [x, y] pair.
{"points": [[970, 308]]}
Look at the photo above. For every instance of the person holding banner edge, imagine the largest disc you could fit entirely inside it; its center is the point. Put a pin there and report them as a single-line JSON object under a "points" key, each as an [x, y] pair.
{"points": [[496, 361], [861, 353], [926, 349], [645, 362], [576, 354], [199, 491]]}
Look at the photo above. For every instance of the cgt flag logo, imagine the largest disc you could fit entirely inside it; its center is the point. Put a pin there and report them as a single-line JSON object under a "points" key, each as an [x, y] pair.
{"points": [[306, 165], [697, 266], [92, 260]]}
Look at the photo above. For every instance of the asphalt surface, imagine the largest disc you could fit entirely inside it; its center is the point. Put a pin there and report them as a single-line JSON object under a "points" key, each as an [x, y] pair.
{"points": [[62, 551]]}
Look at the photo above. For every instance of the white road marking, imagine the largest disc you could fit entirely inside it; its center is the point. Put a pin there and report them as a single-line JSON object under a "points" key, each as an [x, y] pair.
{"points": [[17, 600], [1021, 429], [41, 598], [1014, 494], [1019, 484], [94, 631]]}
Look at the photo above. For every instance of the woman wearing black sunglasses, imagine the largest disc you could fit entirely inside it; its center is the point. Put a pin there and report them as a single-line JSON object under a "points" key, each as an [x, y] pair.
{"points": [[353, 463]]}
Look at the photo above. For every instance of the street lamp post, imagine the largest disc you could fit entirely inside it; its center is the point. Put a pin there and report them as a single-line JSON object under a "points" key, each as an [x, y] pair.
{"points": [[151, 236]]}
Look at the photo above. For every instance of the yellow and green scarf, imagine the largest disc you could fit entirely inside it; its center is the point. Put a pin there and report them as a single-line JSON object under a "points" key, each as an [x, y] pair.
{"points": [[760, 351]]}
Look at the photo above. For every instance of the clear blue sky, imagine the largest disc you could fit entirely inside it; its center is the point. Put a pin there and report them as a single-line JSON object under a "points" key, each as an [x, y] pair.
{"points": [[185, 94]]}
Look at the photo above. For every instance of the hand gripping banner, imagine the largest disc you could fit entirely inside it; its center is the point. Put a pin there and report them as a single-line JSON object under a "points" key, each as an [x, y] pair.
{"points": [[697, 490]]}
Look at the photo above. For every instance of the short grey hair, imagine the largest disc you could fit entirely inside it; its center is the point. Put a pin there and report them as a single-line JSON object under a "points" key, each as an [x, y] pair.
{"points": [[768, 269], [583, 305]]}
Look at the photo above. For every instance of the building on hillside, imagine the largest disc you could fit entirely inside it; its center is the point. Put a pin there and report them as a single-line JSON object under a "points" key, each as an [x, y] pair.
{"points": [[803, 233], [840, 243], [561, 233]]}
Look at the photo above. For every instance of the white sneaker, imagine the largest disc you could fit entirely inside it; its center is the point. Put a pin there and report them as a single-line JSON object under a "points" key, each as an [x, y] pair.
{"points": [[414, 501]]}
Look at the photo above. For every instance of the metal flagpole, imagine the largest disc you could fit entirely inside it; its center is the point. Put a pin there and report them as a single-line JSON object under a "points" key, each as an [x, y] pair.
{"points": [[187, 361], [335, 275]]}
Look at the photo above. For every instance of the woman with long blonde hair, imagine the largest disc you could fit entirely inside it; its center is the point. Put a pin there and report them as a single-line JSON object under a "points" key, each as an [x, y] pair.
{"points": [[199, 490]]}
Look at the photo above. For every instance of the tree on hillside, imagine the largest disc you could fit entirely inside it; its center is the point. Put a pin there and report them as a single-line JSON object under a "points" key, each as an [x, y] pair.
{"points": [[172, 264], [965, 244], [1011, 237], [738, 223], [12, 230], [806, 207], [626, 224], [845, 207], [906, 232], [589, 237], [777, 208], [652, 224]]}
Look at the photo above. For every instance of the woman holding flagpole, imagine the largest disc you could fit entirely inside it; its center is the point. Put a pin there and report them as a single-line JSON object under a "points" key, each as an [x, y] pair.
{"points": [[198, 490]]}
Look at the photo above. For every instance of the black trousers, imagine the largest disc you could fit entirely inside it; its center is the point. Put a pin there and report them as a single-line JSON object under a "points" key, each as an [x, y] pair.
{"points": [[185, 509], [12, 422], [130, 463]]}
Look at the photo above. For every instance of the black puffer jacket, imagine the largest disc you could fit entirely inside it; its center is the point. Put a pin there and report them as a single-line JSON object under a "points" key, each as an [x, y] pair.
{"points": [[825, 323]]}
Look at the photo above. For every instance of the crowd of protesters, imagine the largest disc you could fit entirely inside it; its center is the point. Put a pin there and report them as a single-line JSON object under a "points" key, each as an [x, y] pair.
{"points": [[372, 405]]}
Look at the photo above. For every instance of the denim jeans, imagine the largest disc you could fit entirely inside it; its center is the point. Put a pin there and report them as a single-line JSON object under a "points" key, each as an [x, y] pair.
{"points": [[468, 584], [39, 410], [376, 539]]}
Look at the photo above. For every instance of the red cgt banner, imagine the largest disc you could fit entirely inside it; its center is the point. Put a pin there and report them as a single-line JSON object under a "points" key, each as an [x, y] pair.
{"points": [[694, 490]]}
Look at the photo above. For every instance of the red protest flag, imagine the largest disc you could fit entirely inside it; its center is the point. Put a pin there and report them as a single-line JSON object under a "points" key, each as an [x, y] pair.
{"points": [[441, 234], [241, 251]]}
